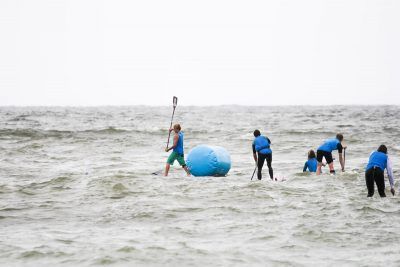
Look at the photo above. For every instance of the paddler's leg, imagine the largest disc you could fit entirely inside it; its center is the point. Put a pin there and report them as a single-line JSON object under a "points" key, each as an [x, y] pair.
{"points": [[181, 161], [319, 168], [369, 181], [260, 164], [320, 156], [186, 170], [329, 160], [331, 169], [380, 181], [167, 166], [269, 164], [170, 161]]}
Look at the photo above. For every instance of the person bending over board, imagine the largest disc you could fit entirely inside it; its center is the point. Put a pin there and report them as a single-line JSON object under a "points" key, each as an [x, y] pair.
{"points": [[177, 153], [312, 163], [261, 148], [377, 163], [325, 151]]}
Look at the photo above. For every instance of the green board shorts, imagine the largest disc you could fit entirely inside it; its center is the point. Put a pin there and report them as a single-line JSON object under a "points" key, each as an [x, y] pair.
{"points": [[175, 156]]}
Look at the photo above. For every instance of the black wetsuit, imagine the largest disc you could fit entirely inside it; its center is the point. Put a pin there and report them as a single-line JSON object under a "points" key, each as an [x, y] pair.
{"points": [[260, 162], [376, 175]]}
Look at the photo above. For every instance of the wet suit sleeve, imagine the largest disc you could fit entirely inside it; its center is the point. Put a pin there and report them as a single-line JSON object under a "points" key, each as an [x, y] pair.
{"points": [[340, 148], [254, 148], [390, 172], [305, 167]]}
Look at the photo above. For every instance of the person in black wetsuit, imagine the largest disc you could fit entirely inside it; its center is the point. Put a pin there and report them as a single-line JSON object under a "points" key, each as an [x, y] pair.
{"points": [[377, 163], [262, 152]]}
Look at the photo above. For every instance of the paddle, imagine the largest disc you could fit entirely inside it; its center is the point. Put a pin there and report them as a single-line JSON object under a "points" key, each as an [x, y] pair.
{"points": [[175, 103], [157, 172], [253, 173]]}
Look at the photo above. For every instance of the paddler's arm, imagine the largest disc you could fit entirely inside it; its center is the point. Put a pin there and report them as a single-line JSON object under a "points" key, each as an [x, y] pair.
{"points": [[254, 153], [305, 167], [176, 138], [389, 170], [341, 161]]}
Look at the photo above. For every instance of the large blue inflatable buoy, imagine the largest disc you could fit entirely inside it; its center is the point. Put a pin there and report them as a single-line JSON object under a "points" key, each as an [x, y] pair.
{"points": [[206, 160]]}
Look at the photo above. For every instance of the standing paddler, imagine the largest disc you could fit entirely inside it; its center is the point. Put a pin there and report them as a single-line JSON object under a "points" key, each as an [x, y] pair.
{"points": [[262, 152], [177, 153]]}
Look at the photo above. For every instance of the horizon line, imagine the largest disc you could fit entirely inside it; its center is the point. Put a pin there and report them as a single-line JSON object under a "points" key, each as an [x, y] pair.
{"points": [[213, 105]]}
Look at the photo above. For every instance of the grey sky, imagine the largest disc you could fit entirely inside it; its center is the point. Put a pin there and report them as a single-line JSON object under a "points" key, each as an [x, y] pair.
{"points": [[123, 52]]}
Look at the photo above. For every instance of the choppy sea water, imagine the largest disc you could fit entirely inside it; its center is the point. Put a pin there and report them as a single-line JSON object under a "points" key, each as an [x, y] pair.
{"points": [[76, 189]]}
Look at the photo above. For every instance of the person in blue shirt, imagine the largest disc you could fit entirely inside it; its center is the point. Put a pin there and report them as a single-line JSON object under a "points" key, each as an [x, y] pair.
{"points": [[377, 163], [177, 153], [325, 151], [262, 152], [312, 163]]}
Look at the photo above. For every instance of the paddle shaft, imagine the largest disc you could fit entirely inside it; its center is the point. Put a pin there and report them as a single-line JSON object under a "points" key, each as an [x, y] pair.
{"points": [[169, 132], [253, 173]]}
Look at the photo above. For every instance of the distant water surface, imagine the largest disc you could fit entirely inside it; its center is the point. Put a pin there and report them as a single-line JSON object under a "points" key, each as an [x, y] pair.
{"points": [[76, 189]]}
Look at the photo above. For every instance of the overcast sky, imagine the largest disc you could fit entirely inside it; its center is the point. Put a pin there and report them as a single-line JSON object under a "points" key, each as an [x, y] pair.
{"points": [[126, 52]]}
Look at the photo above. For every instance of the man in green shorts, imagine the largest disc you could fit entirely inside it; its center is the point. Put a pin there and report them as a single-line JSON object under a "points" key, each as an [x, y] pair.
{"points": [[177, 153]]}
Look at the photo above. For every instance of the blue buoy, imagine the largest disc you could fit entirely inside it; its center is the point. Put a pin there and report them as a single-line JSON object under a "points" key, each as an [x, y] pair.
{"points": [[206, 160]]}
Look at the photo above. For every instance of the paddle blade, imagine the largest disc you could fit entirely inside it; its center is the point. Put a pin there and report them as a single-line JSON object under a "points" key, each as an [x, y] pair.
{"points": [[157, 172], [175, 101]]}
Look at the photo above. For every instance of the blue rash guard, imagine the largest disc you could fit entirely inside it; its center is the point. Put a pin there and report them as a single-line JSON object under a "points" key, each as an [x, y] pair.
{"points": [[377, 159], [261, 144], [311, 165], [330, 145], [179, 146]]}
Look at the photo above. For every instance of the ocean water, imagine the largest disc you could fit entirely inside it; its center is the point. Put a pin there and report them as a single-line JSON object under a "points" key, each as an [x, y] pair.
{"points": [[76, 189]]}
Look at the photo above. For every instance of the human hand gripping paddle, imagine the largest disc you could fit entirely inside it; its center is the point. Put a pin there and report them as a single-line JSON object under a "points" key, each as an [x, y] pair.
{"points": [[175, 103]]}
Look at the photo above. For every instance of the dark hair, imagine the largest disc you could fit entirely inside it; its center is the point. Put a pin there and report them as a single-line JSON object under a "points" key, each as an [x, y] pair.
{"points": [[382, 148], [177, 127], [257, 133], [311, 154], [339, 136]]}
